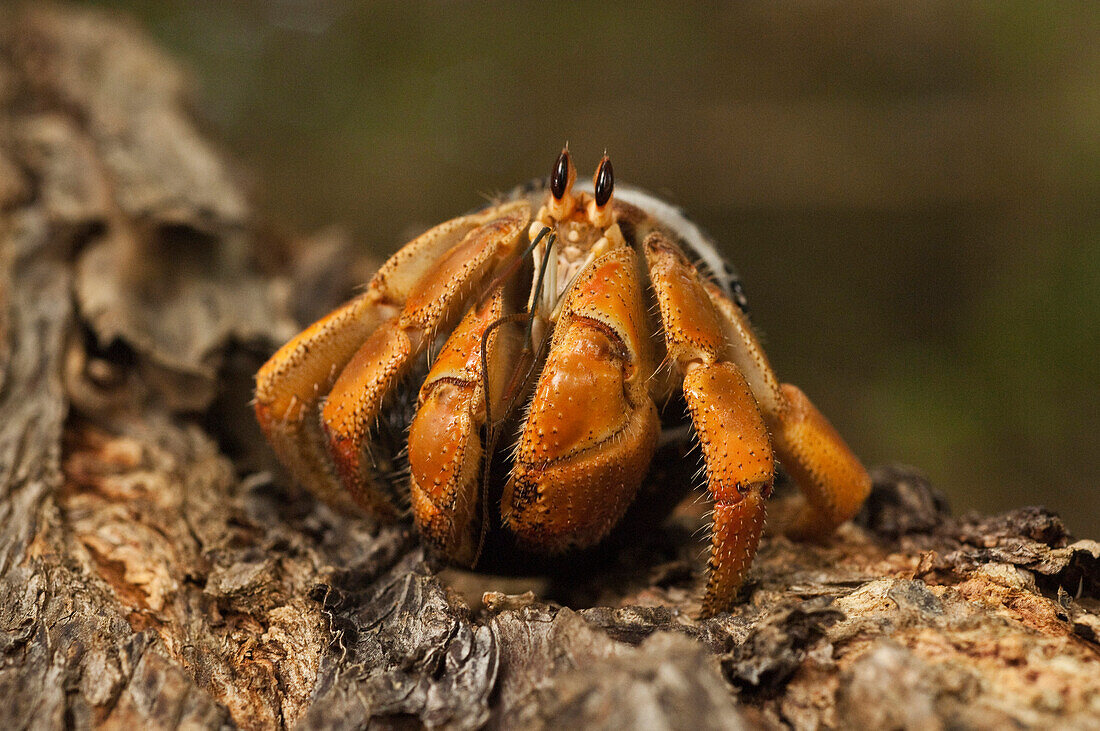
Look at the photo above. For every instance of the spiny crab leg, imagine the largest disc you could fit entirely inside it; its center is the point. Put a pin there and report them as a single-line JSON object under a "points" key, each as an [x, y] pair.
{"points": [[738, 454], [291, 384], [548, 256], [592, 427], [353, 404], [445, 450], [833, 482]]}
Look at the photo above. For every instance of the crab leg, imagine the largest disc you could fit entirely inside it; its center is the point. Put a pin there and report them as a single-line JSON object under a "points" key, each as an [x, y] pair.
{"points": [[353, 404], [592, 427], [293, 381], [831, 478], [445, 451], [731, 430]]}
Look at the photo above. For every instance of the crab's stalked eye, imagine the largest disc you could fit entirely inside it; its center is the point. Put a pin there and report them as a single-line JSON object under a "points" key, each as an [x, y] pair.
{"points": [[559, 177], [604, 181]]}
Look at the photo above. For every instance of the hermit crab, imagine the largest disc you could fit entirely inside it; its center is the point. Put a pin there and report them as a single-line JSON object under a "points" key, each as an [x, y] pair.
{"points": [[546, 333]]}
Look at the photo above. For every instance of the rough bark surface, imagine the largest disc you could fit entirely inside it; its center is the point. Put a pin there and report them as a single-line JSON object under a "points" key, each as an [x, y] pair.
{"points": [[157, 571]]}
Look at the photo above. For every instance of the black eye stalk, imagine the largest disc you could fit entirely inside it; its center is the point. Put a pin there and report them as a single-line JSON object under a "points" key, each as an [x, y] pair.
{"points": [[559, 177], [604, 181], [562, 205]]}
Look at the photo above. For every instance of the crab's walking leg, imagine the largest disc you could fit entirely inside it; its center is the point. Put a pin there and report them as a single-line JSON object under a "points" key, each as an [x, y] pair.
{"points": [[738, 454], [445, 449], [740, 469], [831, 478], [353, 404], [294, 380], [592, 427]]}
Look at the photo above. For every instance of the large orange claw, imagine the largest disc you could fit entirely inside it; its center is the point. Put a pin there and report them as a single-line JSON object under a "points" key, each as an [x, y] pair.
{"points": [[592, 426]]}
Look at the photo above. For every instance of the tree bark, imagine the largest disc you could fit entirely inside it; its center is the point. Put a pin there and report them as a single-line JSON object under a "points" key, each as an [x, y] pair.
{"points": [[157, 570]]}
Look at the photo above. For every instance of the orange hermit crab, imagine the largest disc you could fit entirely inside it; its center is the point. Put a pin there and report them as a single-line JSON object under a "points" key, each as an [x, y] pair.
{"points": [[607, 269]]}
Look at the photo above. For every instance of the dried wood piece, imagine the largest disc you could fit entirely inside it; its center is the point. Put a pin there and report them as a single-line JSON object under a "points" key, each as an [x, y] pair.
{"points": [[558, 671], [131, 100]]}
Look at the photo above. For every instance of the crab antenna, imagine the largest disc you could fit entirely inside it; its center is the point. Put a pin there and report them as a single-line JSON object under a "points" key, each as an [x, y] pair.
{"points": [[538, 287], [489, 428]]}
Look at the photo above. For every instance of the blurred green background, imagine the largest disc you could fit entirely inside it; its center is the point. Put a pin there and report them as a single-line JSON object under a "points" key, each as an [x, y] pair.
{"points": [[910, 191]]}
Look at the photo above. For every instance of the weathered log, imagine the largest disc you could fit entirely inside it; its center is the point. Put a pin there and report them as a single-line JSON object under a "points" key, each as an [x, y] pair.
{"points": [[156, 569]]}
